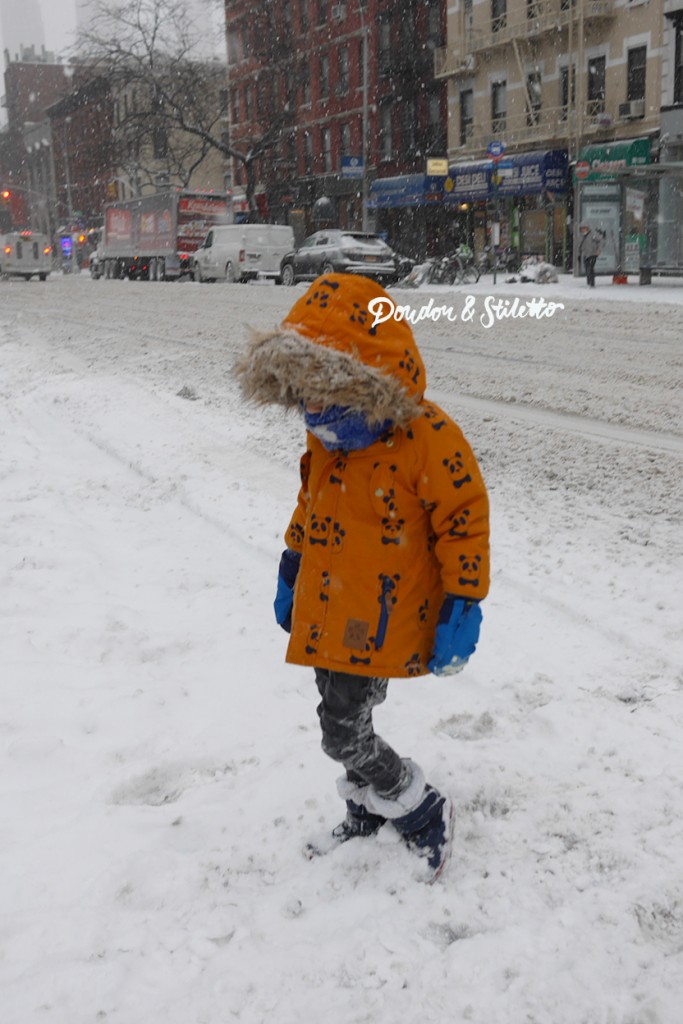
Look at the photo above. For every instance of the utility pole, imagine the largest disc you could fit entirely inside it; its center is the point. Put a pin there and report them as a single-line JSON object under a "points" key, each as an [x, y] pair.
{"points": [[67, 174], [365, 147]]}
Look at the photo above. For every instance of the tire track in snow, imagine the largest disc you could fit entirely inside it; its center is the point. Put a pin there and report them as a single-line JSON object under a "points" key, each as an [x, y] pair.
{"points": [[599, 430]]}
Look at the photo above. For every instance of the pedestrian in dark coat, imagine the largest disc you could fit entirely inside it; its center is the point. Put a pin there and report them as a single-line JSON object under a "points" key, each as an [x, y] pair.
{"points": [[589, 250]]}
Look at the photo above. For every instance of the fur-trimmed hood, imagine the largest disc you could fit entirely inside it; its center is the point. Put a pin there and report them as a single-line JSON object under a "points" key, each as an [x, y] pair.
{"points": [[328, 351]]}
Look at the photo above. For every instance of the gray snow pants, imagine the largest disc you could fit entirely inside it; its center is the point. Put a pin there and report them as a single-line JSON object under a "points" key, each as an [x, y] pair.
{"points": [[345, 714]]}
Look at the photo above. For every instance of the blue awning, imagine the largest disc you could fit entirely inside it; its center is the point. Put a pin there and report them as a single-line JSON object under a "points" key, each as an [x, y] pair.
{"points": [[467, 182], [533, 173], [405, 190], [521, 174]]}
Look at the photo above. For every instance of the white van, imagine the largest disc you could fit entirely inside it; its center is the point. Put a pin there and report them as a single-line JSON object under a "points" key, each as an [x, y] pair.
{"points": [[25, 254], [238, 252]]}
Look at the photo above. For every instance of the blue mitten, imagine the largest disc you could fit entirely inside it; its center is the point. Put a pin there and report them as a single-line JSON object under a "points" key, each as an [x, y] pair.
{"points": [[457, 633], [284, 598]]}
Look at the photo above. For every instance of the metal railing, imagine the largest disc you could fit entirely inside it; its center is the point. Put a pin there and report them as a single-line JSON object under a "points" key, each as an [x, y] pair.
{"points": [[542, 124], [459, 57]]}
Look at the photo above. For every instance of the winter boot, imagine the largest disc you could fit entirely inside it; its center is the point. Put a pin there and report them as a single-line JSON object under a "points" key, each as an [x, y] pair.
{"points": [[359, 822], [428, 829], [422, 816]]}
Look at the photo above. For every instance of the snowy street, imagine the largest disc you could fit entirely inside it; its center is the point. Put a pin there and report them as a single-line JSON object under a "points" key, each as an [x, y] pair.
{"points": [[160, 765]]}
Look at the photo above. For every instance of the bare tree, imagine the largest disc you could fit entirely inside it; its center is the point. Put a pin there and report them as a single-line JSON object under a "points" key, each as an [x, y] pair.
{"points": [[172, 101]]}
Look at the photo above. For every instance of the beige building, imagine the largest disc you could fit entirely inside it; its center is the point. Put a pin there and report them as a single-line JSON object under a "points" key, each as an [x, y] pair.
{"points": [[551, 73], [562, 84]]}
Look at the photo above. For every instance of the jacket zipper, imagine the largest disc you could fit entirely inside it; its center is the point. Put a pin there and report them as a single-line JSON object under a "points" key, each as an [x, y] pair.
{"points": [[388, 586]]}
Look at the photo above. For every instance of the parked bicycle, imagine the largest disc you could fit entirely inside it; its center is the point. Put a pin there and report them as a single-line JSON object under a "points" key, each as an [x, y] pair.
{"points": [[503, 260], [457, 267]]}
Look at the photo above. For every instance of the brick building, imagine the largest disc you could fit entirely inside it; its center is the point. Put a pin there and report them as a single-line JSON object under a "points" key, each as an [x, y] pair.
{"points": [[82, 151], [32, 83], [296, 73]]}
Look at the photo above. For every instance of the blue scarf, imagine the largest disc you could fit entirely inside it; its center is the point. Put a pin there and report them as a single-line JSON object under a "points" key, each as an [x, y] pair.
{"points": [[340, 427]]}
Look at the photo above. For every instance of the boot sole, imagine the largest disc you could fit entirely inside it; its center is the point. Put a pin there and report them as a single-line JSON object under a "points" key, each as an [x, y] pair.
{"points": [[448, 846]]}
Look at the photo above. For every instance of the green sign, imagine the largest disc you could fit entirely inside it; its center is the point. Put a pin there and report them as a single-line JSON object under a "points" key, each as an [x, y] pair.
{"points": [[604, 160]]}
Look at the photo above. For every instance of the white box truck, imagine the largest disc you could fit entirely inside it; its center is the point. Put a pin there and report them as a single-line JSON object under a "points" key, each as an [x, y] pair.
{"points": [[154, 238]]}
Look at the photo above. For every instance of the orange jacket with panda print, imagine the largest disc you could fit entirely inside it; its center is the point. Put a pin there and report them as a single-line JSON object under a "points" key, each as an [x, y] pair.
{"points": [[384, 532]]}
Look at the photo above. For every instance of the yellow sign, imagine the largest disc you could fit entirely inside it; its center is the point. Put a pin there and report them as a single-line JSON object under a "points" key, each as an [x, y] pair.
{"points": [[437, 168]]}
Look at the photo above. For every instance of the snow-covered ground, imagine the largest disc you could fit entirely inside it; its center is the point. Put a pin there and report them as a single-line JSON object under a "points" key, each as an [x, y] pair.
{"points": [[160, 765]]}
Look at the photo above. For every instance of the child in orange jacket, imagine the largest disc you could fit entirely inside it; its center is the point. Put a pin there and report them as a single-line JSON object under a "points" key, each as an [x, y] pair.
{"points": [[387, 554]]}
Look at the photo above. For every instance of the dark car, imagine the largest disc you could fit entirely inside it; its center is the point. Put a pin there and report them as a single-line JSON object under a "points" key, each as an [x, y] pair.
{"points": [[342, 252]]}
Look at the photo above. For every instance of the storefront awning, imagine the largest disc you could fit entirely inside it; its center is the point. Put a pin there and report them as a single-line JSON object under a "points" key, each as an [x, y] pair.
{"points": [[520, 174], [406, 190], [468, 182], [597, 163], [533, 173]]}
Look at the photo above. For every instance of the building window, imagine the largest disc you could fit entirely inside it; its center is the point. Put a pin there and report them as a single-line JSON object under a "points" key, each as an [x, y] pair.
{"points": [[327, 149], [343, 83], [466, 115], [263, 92], [409, 117], [160, 143], [498, 15], [635, 82], [437, 132], [303, 15], [533, 85], [383, 47], [235, 106], [386, 146], [308, 153], [291, 152], [249, 102], [246, 49], [345, 139], [322, 11], [324, 77], [233, 47], [678, 62], [596, 86], [287, 18], [305, 84], [533, 9], [498, 106], [434, 33], [567, 99]]}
